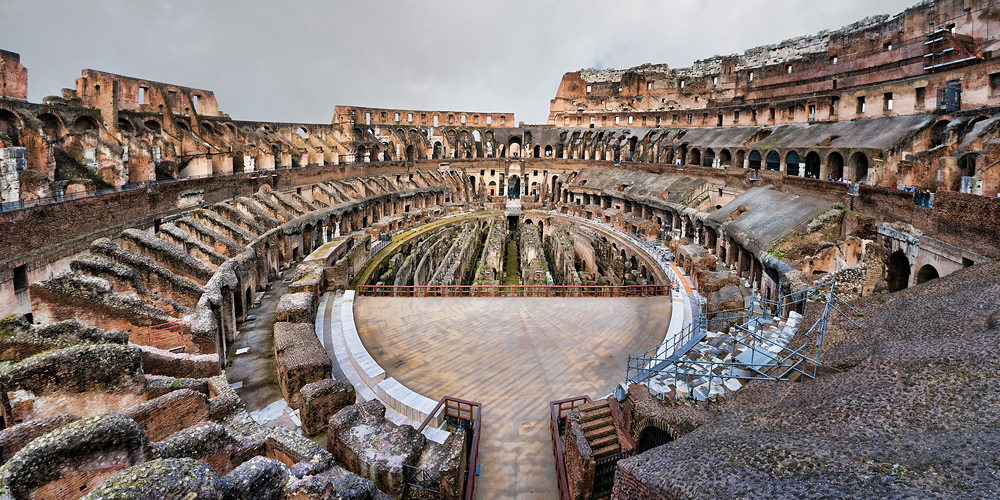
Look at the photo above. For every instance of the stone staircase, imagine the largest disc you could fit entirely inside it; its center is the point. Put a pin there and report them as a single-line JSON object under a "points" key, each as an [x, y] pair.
{"points": [[599, 428]]}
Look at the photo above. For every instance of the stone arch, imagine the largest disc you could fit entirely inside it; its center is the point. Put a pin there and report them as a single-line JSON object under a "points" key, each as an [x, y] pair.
{"points": [[153, 126], [812, 165], [792, 163], [708, 160], [436, 154], [926, 273], [52, 125], [548, 151], [125, 126], [773, 161], [205, 127], [302, 132], [695, 157], [939, 133], [10, 126], [898, 272], [726, 158], [835, 166], [967, 164], [858, 167], [755, 160], [85, 124], [514, 147]]}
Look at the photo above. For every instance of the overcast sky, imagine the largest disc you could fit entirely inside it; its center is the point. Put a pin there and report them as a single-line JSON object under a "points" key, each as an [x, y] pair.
{"points": [[293, 61]]}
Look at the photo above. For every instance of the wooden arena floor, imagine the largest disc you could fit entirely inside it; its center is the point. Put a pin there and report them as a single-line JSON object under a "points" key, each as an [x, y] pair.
{"points": [[514, 355]]}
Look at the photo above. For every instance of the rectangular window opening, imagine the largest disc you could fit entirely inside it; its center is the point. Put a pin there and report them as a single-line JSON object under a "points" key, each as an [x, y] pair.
{"points": [[20, 278]]}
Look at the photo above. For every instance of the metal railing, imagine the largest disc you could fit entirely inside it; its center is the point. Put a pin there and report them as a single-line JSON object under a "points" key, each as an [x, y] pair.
{"points": [[513, 290], [771, 361], [471, 413], [557, 417]]}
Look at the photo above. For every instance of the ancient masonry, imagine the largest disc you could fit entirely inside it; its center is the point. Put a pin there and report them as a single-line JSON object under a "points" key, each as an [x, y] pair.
{"points": [[151, 247]]}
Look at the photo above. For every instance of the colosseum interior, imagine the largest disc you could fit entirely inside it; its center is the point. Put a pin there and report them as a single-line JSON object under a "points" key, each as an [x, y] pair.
{"points": [[768, 275]]}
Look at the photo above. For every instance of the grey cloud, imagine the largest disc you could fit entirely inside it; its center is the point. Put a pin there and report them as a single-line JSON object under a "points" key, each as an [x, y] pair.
{"points": [[293, 61]]}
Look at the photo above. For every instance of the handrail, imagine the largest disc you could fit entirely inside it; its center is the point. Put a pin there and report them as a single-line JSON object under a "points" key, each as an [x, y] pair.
{"points": [[513, 290], [557, 411], [475, 416]]}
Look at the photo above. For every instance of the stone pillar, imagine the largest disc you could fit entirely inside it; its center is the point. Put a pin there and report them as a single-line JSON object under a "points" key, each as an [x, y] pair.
{"points": [[12, 162]]}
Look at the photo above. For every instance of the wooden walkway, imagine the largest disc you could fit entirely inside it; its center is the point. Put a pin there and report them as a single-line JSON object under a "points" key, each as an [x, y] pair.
{"points": [[515, 356]]}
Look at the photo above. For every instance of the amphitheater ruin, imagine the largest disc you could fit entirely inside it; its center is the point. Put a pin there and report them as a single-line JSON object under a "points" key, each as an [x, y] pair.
{"points": [[769, 275]]}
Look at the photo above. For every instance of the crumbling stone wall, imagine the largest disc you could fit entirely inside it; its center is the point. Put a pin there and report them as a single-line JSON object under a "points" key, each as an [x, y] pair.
{"points": [[322, 399], [299, 358], [533, 264], [364, 442]]}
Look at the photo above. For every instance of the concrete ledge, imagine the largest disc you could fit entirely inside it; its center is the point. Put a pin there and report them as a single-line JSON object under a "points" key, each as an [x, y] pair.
{"points": [[404, 400], [367, 368]]}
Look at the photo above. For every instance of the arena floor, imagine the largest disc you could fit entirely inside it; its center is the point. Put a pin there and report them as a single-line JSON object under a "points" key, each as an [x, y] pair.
{"points": [[514, 355]]}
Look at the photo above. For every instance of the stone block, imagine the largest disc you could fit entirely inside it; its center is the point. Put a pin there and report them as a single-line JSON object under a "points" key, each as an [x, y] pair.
{"points": [[321, 399], [299, 359], [296, 308], [365, 443]]}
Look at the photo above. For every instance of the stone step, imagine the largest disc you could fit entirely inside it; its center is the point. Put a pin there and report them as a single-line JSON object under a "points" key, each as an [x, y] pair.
{"points": [[596, 424], [594, 411], [610, 449], [599, 432], [604, 441]]}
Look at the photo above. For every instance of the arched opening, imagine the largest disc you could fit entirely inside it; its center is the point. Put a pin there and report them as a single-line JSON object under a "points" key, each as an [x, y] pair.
{"points": [[792, 163], [898, 276], [472, 183], [967, 164], [927, 273], [835, 167], [301, 132], [85, 124], [436, 153], [548, 151], [207, 128], [939, 133], [514, 187], [755, 160], [9, 125], [538, 151], [410, 154], [52, 124], [493, 188], [726, 159], [773, 161], [153, 126], [812, 165], [709, 159], [695, 157], [125, 126], [650, 438], [632, 144], [514, 147], [859, 167], [183, 126]]}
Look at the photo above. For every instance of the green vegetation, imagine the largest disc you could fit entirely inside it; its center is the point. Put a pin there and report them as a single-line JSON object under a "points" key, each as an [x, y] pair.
{"points": [[69, 168]]}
